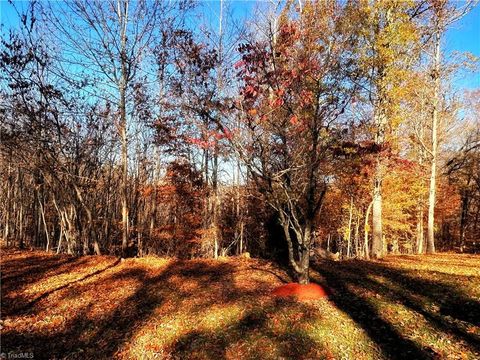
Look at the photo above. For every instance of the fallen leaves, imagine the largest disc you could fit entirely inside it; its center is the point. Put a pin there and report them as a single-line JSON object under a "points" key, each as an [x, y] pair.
{"points": [[170, 309]]}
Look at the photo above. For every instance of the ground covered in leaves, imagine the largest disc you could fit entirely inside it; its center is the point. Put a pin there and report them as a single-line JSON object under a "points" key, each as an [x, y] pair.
{"points": [[406, 307]]}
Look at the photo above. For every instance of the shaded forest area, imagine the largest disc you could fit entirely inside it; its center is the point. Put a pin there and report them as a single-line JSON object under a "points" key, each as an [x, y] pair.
{"points": [[312, 128]]}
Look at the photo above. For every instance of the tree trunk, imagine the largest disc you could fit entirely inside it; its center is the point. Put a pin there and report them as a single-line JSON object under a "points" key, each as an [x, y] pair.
{"points": [[44, 221], [215, 202], [433, 168], [357, 233], [123, 18], [420, 207], [302, 265], [420, 238], [377, 234], [431, 209], [304, 274], [215, 151], [304, 260], [349, 237], [367, 214], [377, 237], [123, 135]]}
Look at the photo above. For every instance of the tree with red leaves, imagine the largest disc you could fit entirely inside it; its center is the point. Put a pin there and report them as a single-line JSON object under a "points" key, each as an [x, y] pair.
{"points": [[294, 92]]}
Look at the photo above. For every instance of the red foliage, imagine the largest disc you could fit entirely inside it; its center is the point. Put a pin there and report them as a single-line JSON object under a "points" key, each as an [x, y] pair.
{"points": [[301, 292], [294, 120], [239, 64]]}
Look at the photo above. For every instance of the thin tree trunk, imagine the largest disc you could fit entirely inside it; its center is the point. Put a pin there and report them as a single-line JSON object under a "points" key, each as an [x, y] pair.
{"points": [[349, 238], [367, 250], [420, 206], [20, 224], [6, 234], [44, 221], [420, 238], [215, 202], [357, 234], [122, 9], [464, 216], [215, 154], [62, 224], [377, 236]]}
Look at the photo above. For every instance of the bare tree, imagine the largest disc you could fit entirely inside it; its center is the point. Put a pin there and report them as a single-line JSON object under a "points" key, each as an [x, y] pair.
{"points": [[109, 44]]}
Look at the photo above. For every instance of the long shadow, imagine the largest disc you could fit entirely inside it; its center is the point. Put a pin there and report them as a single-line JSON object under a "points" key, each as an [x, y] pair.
{"points": [[28, 306], [453, 303], [35, 267], [290, 344], [18, 274], [105, 337], [392, 344], [84, 334], [341, 276]]}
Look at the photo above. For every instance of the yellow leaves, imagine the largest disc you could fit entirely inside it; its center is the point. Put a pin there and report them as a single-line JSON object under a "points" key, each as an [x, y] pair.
{"points": [[390, 45]]}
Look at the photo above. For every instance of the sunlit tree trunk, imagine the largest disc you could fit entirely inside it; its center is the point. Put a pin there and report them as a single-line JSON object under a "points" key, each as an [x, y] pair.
{"points": [[377, 233], [357, 234], [433, 168], [420, 238], [349, 237], [366, 226]]}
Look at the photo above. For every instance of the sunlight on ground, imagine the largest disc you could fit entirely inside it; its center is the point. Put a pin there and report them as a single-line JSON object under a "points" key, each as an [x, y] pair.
{"points": [[99, 307]]}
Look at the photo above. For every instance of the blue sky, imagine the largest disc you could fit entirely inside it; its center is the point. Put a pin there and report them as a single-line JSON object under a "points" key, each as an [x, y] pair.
{"points": [[463, 36]]}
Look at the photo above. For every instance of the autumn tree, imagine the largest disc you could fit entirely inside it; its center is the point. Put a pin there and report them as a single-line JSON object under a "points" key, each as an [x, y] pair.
{"points": [[294, 91], [388, 35], [193, 111], [443, 14]]}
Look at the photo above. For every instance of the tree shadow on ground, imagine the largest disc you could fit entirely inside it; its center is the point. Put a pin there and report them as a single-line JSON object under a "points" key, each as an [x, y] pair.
{"points": [[35, 267], [352, 282], [17, 274], [25, 308], [87, 336], [253, 326], [100, 325]]}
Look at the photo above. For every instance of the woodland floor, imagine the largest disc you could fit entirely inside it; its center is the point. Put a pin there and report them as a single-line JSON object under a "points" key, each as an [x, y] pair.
{"points": [[405, 307]]}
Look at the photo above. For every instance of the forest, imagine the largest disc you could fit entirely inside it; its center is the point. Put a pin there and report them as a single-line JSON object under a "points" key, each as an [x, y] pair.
{"points": [[320, 142]]}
